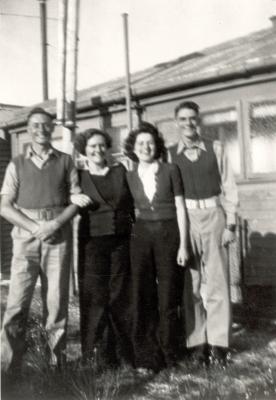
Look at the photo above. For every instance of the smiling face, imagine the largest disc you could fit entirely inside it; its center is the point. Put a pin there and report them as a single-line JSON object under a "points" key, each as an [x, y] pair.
{"points": [[40, 128], [96, 149], [145, 147], [187, 121]]}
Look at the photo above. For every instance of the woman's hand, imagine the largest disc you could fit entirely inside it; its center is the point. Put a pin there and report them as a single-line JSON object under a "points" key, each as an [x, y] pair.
{"points": [[80, 200], [182, 256]]}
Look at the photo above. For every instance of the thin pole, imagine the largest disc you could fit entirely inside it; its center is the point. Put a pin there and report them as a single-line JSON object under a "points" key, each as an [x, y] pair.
{"points": [[128, 87], [43, 28], [70, 110], [71, 62], [62, 16]]}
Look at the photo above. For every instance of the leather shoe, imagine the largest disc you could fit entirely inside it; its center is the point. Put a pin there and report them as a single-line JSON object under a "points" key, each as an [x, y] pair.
{"points": [[200, 354], [218, 355]]}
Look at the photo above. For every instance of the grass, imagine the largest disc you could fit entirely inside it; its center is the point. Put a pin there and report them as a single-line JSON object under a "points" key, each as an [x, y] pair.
{"points": [[251, 373]]}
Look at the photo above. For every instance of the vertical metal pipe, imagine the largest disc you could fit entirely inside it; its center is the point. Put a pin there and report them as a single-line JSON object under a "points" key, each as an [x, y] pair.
{"points": [[62, 16], [128, 86], [43, 29], [71, 61]]}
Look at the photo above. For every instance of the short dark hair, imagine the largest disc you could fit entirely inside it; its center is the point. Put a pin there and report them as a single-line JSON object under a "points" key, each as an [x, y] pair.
{"points": [[82, 138], [186, 104], [145, 127], [38, 110]]}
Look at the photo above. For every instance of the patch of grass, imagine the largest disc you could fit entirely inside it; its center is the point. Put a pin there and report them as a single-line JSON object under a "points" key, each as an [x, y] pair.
{"points": [[250, 374]]}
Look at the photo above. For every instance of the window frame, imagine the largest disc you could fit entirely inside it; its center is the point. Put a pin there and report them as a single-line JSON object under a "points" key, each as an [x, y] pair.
{"points": [[249, 175], [229, 107]]}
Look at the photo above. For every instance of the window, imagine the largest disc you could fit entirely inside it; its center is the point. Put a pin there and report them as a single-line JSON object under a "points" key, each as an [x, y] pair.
{"points": [[222, 125], [168, 129], [118, 135], [262, 122]]}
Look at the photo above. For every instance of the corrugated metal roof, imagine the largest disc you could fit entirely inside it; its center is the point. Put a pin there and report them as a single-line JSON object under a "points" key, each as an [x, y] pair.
{"points": [[256, 49], [244, 55], [7, 111]]}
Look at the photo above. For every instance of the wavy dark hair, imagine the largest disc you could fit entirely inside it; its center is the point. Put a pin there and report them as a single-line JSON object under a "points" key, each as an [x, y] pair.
{"points": [[186, 104], [145, 127], [82, 138]]}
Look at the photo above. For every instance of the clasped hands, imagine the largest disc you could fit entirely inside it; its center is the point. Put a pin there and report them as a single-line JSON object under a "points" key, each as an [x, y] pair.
{"points": [[46, 230]]}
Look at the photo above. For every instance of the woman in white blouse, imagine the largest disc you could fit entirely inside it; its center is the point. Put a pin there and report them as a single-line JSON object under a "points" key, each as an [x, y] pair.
{"points": [[158, 249]]}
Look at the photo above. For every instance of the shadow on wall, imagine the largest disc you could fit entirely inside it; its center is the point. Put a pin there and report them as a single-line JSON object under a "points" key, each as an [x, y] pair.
{"points": [[257, 273], [260, 274]]}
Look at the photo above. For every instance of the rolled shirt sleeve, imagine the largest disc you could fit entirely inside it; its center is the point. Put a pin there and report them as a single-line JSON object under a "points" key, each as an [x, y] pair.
{"points": [[229, 191], [11, 182]]}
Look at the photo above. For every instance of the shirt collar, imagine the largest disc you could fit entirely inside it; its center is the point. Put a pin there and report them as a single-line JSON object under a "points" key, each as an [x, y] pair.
{"points": [[94, 171], [198, 144], [30, 152], [151, 169]]}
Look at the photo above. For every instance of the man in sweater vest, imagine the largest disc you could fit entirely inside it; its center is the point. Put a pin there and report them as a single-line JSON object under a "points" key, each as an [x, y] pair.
{"points": [[211, 202], [35, 199]]}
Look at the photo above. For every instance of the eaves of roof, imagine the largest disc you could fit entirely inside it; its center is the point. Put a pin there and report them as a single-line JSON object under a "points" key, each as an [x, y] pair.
{"points": [[238, 58]]}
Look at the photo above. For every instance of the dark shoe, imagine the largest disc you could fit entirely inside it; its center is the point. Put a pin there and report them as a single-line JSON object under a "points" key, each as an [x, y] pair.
{"points": [[199, 354], [173, 364], [218, 355], [171, 361], [105, 361], [154, 361], [154, 367], [145, 372]]}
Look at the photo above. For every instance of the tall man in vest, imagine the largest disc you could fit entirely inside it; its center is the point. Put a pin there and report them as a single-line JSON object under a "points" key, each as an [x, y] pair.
{"points": [[35, 199], [211, 202]]}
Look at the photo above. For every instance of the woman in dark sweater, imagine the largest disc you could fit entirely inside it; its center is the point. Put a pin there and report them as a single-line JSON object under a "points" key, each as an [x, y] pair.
{"points": [[104, 270], [158, 247]]}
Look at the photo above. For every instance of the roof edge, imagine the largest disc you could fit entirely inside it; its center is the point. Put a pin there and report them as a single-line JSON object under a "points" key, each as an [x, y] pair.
{"points": [[118, 98]]}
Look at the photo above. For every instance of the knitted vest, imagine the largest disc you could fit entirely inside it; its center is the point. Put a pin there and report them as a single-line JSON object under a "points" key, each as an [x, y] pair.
{"points": [[201, 178], [42, 188], [106, 218]]}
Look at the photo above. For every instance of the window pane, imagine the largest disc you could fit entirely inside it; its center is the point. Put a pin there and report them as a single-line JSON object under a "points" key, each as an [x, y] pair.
{"points": [[222, 125], [263, 137]]}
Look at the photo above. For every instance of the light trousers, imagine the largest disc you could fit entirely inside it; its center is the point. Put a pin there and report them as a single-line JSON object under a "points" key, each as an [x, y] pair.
{"points": [[207, 305], [33, 258]]}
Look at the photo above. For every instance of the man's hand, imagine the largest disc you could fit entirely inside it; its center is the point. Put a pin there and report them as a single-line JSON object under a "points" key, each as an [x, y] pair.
{"points": [[228, 237], [182, 256], [46, 230], [80, 200]]}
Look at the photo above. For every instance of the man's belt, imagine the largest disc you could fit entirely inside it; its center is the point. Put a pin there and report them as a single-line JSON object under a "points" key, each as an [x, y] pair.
{"points": [[210, 202], [41, 214]]}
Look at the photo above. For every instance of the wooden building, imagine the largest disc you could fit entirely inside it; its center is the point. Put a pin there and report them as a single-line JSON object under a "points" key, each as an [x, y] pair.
{"points": [[235, 85], [6, 111]]}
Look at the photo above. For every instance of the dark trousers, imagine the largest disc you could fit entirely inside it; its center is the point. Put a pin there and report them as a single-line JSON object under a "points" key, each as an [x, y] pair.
{"points": [[156, 291], [104, 279]]}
